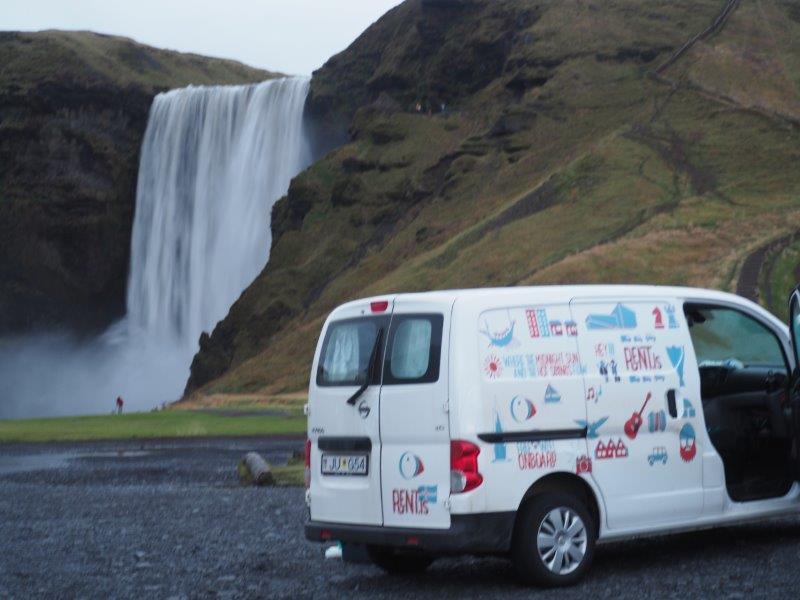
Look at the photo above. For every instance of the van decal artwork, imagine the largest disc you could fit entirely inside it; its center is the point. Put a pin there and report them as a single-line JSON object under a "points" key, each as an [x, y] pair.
{"points": [[676, 357], [592, 429], [594, 393], [641, 358], [492, 367], [603, 367], [410, 465], [688, 409], [515, 362], [539, 325], [414, 501], [559, 364], [501, 339], [658, 455], [536, 455], [610, 449], [688, 445], [633, 424], [551, 395], [583, 464], [500, 453], [656, 421], [658, 318], [522, 409], [672, 321], [621, 317]]}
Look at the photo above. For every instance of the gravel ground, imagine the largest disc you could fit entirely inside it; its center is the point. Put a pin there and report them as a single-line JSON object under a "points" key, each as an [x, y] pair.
{"points": [[168, 519]]}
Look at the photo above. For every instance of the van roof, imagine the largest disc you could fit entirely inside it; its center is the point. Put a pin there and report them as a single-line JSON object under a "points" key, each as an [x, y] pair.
{"points": [[560, 293]]}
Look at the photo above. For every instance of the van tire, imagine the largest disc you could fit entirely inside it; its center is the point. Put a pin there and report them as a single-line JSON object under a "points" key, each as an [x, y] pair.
{"points": [[396, 563], [534, 518]]}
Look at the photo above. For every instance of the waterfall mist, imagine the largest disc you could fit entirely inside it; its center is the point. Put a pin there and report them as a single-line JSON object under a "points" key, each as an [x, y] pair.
{"points": [[213, 162]]}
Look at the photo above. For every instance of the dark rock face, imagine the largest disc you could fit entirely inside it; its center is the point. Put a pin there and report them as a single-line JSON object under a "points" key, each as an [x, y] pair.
{"points": [[68, 164], [73, 111]]}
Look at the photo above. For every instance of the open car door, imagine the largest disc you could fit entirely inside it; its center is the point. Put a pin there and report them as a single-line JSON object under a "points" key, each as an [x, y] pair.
{"points": [[794, 390]]}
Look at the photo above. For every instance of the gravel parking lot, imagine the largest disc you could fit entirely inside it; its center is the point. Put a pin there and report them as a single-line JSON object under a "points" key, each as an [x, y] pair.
{"points": [[168, 519]]}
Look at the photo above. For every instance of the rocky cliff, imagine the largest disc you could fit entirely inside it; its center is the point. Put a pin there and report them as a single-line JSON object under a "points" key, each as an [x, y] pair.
{"points": [[73, 110], [499, 142]]}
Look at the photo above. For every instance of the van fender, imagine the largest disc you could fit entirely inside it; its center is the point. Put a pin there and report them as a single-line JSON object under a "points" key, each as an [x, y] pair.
{"points": [[565, 481]]}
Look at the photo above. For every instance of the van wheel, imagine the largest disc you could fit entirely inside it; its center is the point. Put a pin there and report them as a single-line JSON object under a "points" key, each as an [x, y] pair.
{"points": [[397, 563], [554, 540]]}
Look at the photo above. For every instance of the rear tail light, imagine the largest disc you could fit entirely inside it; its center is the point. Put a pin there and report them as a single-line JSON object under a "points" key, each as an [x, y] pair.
{"points": [[379, 306], [308, 463], [464, 474]]}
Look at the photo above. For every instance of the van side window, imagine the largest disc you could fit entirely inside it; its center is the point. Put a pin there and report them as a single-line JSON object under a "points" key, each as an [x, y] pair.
{"points": [[346, 350], [413, 350], [722, 335]]}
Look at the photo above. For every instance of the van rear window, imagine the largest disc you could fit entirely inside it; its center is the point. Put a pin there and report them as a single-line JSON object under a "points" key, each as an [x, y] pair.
{"points": [[411, 350], [346, 350], [414, 348]]}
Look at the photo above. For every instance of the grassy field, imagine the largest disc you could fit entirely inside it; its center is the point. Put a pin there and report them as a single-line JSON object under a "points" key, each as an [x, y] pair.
{"points": [[164, 424]]}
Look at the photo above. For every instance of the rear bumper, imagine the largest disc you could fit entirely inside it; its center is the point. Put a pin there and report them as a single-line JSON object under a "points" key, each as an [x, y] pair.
{"points": [[468, 534]]}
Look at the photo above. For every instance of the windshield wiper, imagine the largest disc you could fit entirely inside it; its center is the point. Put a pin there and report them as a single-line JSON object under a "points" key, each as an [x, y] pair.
{"points": [[373, 359]]}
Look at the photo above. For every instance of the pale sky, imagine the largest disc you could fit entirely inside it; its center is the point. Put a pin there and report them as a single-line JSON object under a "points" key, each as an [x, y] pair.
{"points": [[291, 36]]}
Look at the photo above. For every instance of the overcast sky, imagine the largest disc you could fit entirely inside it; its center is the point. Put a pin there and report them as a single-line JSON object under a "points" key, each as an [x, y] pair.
{"points": [[291, 36]]}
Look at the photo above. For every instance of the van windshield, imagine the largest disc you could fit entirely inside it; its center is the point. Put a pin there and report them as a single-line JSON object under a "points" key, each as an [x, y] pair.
{"points": [[344, 359]]}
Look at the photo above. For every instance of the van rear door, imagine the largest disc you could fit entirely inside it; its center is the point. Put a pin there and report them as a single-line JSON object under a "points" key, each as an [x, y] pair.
{"points": [[414, 420], [343, 424]]}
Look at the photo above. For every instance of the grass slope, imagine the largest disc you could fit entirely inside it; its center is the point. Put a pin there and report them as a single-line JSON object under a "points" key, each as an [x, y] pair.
{"points": [[565, 162], [164, 424]]}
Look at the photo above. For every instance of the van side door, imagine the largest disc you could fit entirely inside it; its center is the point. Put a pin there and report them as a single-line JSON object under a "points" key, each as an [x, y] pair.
{"points": [[642, 439], [414, 419]]}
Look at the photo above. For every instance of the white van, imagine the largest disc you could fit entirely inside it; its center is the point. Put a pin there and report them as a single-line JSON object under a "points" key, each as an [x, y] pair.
{"points": [[534, 422]]}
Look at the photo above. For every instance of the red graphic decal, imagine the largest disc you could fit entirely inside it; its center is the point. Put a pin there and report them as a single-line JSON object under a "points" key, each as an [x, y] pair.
{"points": [[610, 450], [492, 367], [572, 328], [583, 465], [537, 460], [408, 502], [641, 358], [659, 318], [556, 328], [633, 424], [556, 364]]}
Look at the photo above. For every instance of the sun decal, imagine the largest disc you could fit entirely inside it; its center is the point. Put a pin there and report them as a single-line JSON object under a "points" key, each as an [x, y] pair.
{"points": [[492, 367]]}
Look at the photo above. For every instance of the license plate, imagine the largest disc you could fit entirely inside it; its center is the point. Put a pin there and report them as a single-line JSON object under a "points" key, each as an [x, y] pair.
{"points": [[344, 464]]}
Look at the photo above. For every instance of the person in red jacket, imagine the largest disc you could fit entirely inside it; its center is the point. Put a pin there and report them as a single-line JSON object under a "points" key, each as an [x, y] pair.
{"points": [[120, 402]]}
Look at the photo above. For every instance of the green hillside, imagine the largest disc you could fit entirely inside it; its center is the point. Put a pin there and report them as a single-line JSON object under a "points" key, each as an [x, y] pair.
{"points": [[563, 154], [73, 111]]}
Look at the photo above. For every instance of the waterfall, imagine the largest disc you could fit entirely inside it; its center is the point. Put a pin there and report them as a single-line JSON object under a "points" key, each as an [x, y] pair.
{"points": [[214, 159], [213, 162]]}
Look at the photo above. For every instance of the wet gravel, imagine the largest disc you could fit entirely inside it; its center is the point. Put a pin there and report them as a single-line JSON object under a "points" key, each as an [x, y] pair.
{"points": [[168, 519]]}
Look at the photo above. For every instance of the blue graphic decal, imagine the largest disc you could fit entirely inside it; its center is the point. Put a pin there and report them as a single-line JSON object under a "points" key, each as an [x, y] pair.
{"points": [[656, 421], [621, 317], [502, 339], [688, 409], [676, 356], [499, 448], [551, 396], [592, 429], [428, 493]]}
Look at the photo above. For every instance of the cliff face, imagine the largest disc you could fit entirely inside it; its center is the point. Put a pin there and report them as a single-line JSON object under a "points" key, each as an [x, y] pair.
{"points": [[73, 110], [524, 142]]}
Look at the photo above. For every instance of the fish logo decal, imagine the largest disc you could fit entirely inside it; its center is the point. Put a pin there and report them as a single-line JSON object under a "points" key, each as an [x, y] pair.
{"points": [[410, 465], [522, 409]]}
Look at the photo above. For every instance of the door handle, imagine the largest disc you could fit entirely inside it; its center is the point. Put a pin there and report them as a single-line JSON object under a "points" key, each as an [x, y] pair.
{"points": [[672, 406]]}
